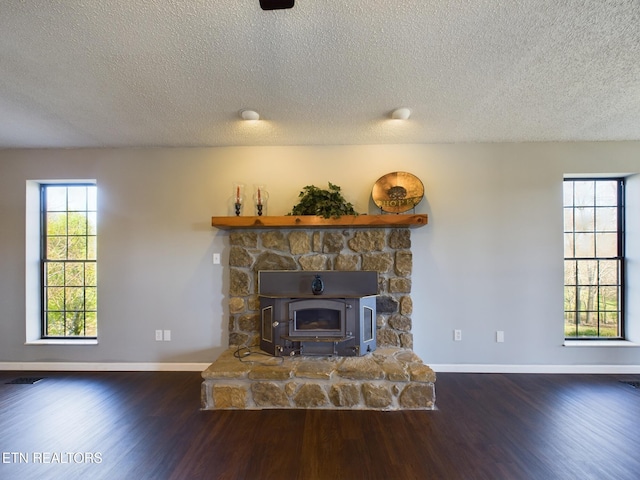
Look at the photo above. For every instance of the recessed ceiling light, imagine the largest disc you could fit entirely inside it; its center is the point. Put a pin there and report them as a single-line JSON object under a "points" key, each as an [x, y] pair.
{"points": [[402, 113], [249, 115]]}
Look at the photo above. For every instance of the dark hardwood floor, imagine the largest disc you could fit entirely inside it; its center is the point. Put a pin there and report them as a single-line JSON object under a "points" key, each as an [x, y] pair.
{"points": [[147, 425]]}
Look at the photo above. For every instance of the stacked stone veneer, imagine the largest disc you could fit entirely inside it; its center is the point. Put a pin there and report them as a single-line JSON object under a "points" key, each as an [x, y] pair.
{"points": [[387, 251], [391, 378]]}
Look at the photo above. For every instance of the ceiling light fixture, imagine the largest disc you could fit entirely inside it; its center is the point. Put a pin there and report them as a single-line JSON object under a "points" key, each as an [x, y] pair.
{"points": [[249, 115], [402, 113], [276, 4]]}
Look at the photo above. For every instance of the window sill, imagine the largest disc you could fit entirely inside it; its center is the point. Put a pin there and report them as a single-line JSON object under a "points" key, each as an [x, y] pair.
{"points": [[600, 343], [55, 341]]}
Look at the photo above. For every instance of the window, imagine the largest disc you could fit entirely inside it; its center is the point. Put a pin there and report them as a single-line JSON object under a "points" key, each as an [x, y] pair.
{"points": [[68, 260], [594, 258]]}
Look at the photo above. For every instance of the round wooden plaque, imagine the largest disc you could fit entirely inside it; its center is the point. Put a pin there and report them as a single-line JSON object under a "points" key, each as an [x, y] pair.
{"points": [[397, 192]]}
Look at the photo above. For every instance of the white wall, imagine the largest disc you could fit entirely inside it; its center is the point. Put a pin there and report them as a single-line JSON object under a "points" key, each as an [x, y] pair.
{"points": [[490, 258]]}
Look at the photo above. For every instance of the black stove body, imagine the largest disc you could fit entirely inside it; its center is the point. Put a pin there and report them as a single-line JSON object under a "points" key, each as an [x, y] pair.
{"points": [[323, 313]]}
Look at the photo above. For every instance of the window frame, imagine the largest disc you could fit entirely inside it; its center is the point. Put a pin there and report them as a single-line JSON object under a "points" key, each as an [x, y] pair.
{"points": [[45, 261], [620, 258]]}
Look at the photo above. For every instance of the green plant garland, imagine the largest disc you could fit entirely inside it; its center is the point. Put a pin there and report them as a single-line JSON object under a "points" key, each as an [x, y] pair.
{"points": [[323, 203]]}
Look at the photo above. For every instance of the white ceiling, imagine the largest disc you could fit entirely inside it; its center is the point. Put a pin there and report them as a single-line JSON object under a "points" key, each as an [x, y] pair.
{"points": [[176, 72]]}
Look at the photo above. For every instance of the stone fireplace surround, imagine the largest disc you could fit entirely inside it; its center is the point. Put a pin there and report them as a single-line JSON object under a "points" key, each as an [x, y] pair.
{"points": [[391, 378]]}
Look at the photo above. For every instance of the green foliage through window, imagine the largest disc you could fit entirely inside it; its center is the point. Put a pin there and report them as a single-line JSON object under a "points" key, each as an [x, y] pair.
{"points": [[69, 241]]}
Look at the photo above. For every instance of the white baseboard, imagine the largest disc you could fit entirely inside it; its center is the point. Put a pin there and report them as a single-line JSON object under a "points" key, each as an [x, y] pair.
{"points": [[104, 367], [199, 367], [579, 369]]}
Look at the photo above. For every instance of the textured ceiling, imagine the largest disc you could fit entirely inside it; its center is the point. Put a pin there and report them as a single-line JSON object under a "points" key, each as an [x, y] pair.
{"points": [[176, 72]]}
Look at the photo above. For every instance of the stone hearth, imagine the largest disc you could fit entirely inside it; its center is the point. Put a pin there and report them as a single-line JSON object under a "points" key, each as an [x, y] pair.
{"points": [[387, 379]]}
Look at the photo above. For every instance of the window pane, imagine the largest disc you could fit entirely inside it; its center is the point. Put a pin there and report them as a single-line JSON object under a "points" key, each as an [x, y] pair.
{"points": [[585, 245], [607, 193], [588, 330], [609, 272], [91, 248], [74, 274], [570, 272], [55, 324], [567, 190], [568, 219], [584, 193], [55, 298], [570, 299], [74, 298], [570, 324], [92, 198], [610, 319], [74, 325], [92, 223], [90, 299], [91, 324], [57, 223], [587, 272], [587, 298], [608, 325], [606, 219], [90, 274], [606, 245], [56, 199], [54, 274], [77, 199], [585, 219], [569, 245], [77, 248], [77, 224], [57, 248], [608, 299]]}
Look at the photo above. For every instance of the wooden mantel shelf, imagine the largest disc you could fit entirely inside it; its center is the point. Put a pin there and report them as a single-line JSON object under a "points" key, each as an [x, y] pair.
{"points": [[312, 221]]}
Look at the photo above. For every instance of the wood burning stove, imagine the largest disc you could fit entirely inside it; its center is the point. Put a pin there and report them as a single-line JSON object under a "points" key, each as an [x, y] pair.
{"points": [[318, 313]]}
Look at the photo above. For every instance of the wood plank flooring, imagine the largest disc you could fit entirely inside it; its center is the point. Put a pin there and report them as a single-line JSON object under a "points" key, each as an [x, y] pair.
{"points": [[148, 425]]}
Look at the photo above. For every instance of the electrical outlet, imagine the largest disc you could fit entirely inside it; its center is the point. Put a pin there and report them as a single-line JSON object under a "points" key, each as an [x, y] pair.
{"points": [[457, 335], [167, 335], [216, 259], [158, 335], [499, 336]]}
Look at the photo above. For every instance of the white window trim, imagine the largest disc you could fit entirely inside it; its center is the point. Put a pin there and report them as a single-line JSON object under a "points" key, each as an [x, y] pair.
{"points": [[33, 303], [55, 341], [600, 343]]}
